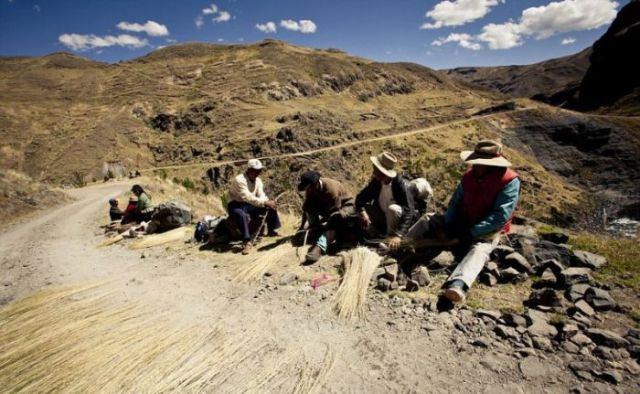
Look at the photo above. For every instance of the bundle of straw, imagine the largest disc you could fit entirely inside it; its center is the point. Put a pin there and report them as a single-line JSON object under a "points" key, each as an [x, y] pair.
{"points": [[359, 265], [148, 241], [111, 241], [81, 340], [264, 261]]}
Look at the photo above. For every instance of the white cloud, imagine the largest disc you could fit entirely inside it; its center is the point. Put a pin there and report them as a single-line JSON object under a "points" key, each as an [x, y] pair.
{"points": [[151, 28], [36, 8], [171, 40], [503, 36], [464, 40], [303, 26], [220, 39], [568, 41], [269, 27], [223, 16], [210, 10], [83, 42], [199, 21], [567, 15], [548, 20], [458, 12]]}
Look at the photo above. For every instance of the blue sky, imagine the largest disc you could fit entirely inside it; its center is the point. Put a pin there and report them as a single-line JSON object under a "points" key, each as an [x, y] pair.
{"points": [[439, 34]]}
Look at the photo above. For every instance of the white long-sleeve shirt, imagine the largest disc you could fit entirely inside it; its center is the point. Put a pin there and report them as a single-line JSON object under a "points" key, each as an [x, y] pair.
{"points": [[241, 189]]}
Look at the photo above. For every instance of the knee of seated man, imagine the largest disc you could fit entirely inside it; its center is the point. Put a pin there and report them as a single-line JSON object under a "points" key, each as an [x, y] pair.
{"points": [[396, 209]]}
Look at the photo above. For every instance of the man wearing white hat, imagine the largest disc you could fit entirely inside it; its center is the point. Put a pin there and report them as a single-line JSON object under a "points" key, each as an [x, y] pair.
{"points": [[480, 209], [386, 205], [247, 201]]}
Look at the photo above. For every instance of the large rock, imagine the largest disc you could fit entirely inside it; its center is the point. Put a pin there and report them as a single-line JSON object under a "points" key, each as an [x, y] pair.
{"points": [[577, 291], [583, 307], [574, 275], [501, 251], [170, 215], [512, 275], [606, 338], [599, 299], [556, 237], [443, 259], [545, 297], [539, 324], [545, 250], [488, 279], [552, 265], [517, 261], [587, 259], [421, 276]]}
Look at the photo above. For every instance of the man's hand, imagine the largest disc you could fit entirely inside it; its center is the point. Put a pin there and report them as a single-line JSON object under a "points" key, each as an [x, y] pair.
{"points": [[365, 221], [271, 204], [394, 243]]}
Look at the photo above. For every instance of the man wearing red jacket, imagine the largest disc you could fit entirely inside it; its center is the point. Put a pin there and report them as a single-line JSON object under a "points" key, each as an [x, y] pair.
{"points": [[480, 209]]}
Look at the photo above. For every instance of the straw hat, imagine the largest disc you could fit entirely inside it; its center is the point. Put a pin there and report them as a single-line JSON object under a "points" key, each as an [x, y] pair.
{"points": [[385, 162], [486, 152], [255, 164]]}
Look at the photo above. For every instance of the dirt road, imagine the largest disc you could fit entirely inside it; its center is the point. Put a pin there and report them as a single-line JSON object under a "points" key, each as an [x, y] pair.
{"points": [[402, 348]]}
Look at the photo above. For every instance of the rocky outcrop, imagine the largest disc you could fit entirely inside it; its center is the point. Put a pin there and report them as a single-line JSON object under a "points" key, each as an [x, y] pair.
{"points": [[613, 72]]}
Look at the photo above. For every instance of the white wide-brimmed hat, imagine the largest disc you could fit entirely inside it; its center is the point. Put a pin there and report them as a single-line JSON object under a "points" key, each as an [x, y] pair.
{"points": [[385, 162], [255, 164], [487, 153]]}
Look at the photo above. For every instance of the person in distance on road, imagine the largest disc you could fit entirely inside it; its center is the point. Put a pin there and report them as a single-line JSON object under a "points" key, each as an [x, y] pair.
{"points": [[248, 204], [327, 207], [386, 206], [480, 210]]}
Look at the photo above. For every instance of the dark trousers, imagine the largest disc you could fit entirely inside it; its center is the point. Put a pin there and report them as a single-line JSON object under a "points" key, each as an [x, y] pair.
{"points": [[247, 215]]}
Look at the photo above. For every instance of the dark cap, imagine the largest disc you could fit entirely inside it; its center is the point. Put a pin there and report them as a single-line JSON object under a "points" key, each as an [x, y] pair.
{"points": [[307, 179]]}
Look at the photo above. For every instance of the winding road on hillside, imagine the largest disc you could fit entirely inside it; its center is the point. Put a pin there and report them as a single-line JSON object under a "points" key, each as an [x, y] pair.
{"points": [[390, 351]]}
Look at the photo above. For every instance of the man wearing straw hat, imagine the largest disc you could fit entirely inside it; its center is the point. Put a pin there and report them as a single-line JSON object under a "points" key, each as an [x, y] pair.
{"points": [[248, 202], [480, 209], [385, 206]]}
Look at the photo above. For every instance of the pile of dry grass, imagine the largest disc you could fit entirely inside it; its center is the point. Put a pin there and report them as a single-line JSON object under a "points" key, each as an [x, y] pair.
{"points": [[148, 241], [358, 265], [280, 255], [81, 340]]}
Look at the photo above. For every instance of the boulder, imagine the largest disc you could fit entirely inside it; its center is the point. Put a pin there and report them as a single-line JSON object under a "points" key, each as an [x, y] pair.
{"points": [[545, 250], [575, 292], [517, 261], [588, 260], [391, 272], [575, 275], [555, 237], [492, 268], [599, 299], [443, 259], [544, 297], [493, 315], [607, 353], [506, 332], [511, 275], [421, 275], [488, 279], [412, 285], [514, 320], [581, 340], [169, 215], [583, 307], [606, 338], [501, 251], [550, 265], [384, 284]]}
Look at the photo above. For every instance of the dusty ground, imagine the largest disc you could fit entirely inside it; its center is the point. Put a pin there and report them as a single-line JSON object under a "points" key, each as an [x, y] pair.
{"points": [[388, 352]]}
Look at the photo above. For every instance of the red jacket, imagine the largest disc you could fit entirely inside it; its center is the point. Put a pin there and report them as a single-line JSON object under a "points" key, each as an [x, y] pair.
{"points": [[480, 194]]}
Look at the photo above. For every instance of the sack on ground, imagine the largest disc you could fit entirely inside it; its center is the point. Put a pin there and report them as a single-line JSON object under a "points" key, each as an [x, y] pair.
{"points": [[169, 215]]}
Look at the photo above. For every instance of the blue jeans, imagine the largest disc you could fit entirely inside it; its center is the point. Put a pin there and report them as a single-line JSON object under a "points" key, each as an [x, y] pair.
{"points": [[246, 215]]}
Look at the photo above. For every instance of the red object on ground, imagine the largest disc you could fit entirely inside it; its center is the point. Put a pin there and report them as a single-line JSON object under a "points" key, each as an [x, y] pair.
{"points": [[321, 280]]}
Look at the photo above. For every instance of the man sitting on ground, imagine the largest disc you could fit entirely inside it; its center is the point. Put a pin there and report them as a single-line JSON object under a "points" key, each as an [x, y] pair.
{"points": [[248, 204], [385, 205], [327, 206], [480, 209]]}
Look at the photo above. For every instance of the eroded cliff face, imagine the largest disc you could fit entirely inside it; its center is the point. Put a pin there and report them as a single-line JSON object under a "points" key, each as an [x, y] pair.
{"points": [[613, 74]]}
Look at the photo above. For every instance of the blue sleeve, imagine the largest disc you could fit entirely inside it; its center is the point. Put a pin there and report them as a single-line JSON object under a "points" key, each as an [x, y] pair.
{"points": [[454, 204], [503, 208]]}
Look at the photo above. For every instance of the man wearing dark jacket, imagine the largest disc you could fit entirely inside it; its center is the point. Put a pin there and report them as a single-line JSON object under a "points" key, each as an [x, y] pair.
{"points": [[385, 206], [328, 205]]}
